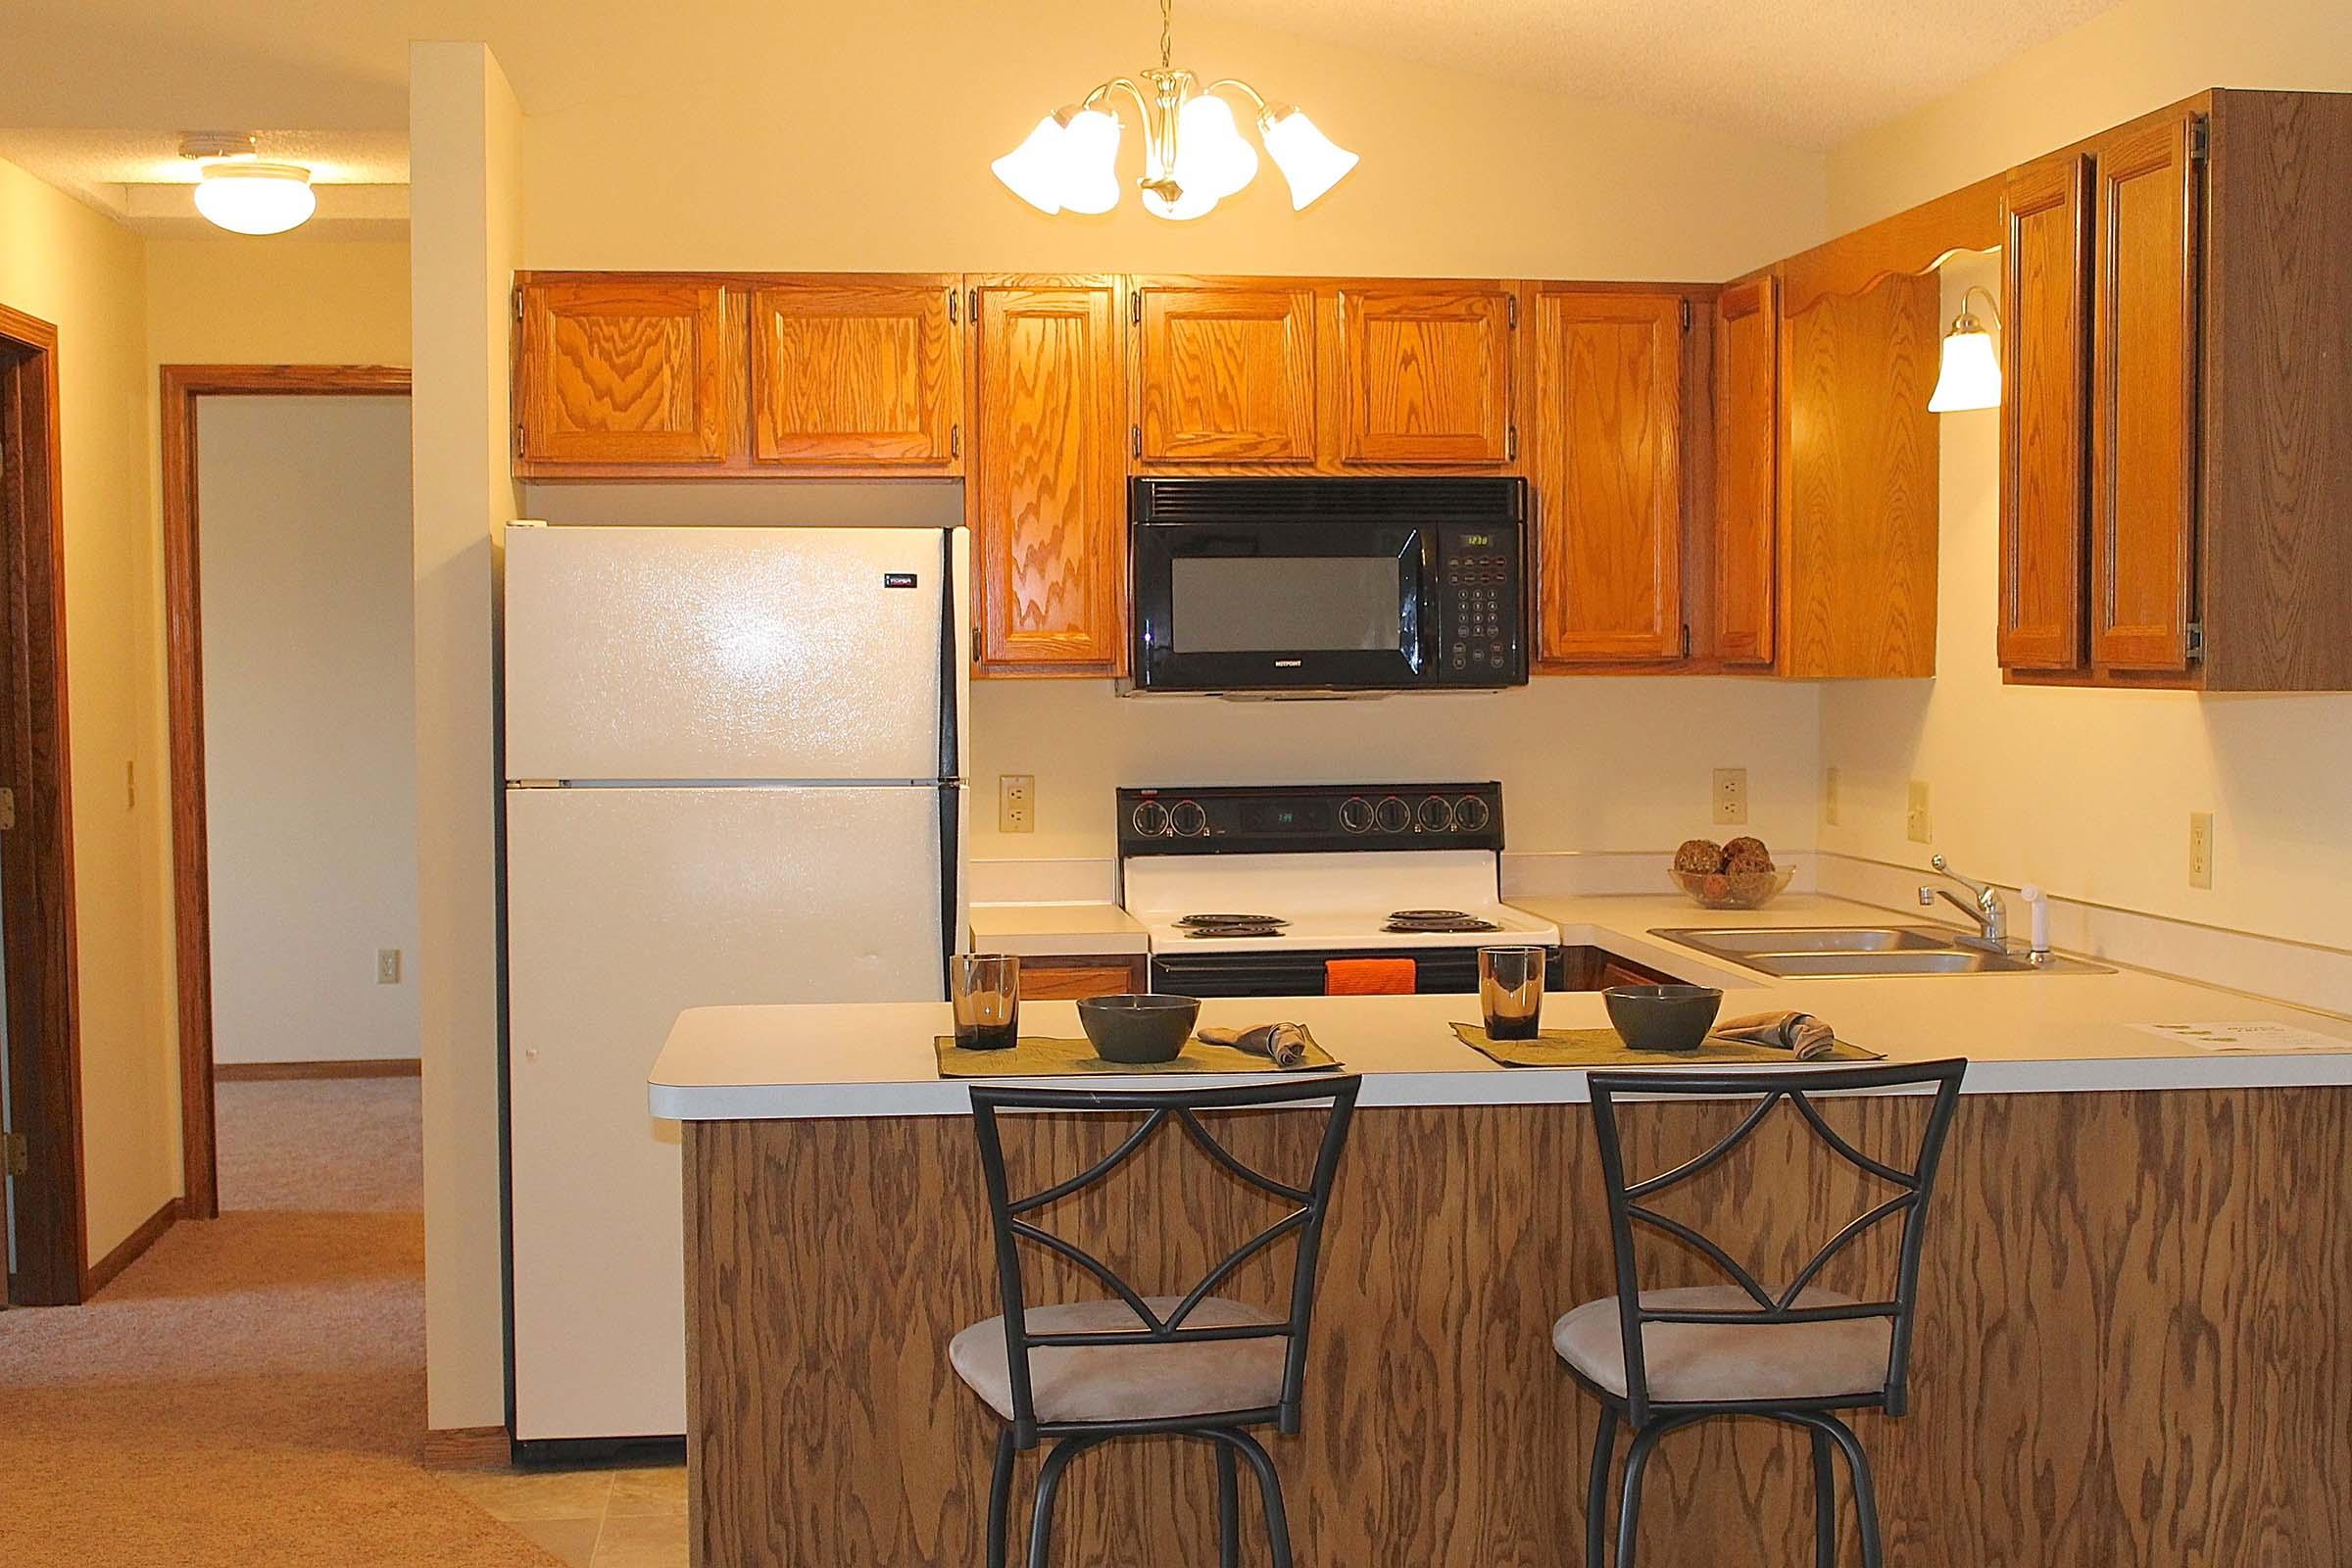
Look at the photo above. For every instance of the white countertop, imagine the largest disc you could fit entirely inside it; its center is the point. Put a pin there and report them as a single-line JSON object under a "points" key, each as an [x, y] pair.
{"points": [[2023, 1033], [1056, 930]]}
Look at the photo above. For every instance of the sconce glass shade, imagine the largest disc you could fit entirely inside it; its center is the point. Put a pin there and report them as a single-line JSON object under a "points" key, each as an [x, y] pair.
{"points": [[251, 198], [1090, 154], [1033, 170], [1311, 162], [1971, 377], [1211, 157]]}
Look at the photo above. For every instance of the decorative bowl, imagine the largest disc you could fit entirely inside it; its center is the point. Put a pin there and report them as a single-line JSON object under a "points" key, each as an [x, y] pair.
{"points": [[1662, 1018], [1138, 1029], [1733, 890]]}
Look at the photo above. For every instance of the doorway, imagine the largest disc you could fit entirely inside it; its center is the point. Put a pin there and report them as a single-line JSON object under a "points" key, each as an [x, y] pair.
{"points": [[40, 1058], [187, 389]]}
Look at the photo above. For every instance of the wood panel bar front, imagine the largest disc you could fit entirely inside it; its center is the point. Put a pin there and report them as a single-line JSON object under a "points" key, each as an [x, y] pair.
{"points": [[2131, 1347]]}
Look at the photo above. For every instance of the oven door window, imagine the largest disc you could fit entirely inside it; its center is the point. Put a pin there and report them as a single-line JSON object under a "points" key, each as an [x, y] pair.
{"points": [[1272, 605]]}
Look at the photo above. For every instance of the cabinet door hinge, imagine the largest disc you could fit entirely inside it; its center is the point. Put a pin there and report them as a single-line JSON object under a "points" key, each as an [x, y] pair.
{"points": [[2200, 139], [1510, 443], [1510, 311], [1686, 639], [1135, 440], [955, 440], [974, 302], [1135, 308], [518, 297], [955, 305], [15, 1156], [2195, 640], [1685, 316]]}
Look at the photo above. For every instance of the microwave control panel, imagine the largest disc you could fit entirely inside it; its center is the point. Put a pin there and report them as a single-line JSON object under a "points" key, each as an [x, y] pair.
{"points": [[1479, 604]]}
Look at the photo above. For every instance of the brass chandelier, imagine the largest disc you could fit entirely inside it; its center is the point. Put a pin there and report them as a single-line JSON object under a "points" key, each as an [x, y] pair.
{"points": [[1194, 154]]}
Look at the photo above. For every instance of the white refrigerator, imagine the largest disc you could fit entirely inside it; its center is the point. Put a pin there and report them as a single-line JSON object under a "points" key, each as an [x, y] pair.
{"points": [[734, 773]]}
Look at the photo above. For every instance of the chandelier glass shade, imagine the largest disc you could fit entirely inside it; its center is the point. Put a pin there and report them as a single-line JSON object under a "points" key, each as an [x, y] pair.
{"points": [[1195, 154]]}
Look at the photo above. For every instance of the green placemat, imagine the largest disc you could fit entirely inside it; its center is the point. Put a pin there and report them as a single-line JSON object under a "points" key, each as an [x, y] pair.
{"points": [[1047, 1056], [1602, 1048]]}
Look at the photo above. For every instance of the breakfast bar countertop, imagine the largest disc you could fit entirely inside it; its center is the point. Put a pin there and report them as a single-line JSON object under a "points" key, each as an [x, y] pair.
{"points": [[2023, 1033]]}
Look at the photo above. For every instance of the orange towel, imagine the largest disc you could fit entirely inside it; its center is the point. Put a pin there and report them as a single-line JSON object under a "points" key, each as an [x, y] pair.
{"points": [[1370, 977]]}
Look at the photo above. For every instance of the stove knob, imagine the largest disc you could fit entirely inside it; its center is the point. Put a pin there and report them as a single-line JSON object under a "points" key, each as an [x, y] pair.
{"points": [[1470, 814], [1393, 816], [1434, 815], [1188, 819], [1355, 814], [1150, 820]]}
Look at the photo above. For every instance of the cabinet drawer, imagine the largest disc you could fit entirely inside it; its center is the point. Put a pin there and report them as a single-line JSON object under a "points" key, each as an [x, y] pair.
{"points": [[1066, 979]]}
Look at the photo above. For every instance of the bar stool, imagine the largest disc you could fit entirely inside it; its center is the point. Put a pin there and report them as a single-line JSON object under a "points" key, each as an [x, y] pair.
{"points": [[1082, 1373], [1662, 1359]]}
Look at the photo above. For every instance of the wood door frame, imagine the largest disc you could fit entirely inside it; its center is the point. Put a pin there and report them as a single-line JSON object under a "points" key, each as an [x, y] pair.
{"points": [[43, 1018], [183, 661]]}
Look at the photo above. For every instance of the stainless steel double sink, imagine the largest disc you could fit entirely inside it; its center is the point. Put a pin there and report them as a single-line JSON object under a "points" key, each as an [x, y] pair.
{"points": [[1861, 951]]}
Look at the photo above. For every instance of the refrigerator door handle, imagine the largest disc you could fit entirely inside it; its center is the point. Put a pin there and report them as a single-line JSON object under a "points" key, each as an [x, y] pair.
{"points": [[951, 671], [950, 886]]}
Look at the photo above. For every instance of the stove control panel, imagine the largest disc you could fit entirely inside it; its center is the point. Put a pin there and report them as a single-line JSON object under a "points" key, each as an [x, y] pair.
{"points": [[1309, 819]]}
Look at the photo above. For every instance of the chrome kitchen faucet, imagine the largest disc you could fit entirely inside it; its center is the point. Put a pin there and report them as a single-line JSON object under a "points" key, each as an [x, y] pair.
{"points": [[1987, 909]]}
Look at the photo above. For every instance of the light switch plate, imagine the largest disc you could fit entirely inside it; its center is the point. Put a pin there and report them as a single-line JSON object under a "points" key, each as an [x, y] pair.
{"points": [[2201, 848], [387, 966], [1731, 794], [1016, 802], [1918, 825]]}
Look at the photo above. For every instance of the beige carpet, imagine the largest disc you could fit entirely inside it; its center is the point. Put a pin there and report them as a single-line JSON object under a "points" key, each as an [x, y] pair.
{"points": [[252, 1390]]}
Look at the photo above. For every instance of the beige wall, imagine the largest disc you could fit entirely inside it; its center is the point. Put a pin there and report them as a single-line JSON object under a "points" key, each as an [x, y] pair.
{"points": [[2089, 792], [309, 724], [292, 301], [2139, 56], [64, 264], [1586, 763], [466, 218], [858, 137]]}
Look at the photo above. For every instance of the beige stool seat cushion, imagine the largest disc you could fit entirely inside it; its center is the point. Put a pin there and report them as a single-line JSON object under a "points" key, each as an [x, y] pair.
{"points": [[1712, 1362], [1140, 1382]]}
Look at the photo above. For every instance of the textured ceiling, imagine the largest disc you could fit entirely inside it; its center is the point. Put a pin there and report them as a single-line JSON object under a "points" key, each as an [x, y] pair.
{"points": [[139, 178], [1804, 72]]}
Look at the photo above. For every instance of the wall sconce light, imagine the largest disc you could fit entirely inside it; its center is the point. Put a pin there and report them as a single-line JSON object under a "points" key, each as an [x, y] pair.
{"points": [[1971, 377]]}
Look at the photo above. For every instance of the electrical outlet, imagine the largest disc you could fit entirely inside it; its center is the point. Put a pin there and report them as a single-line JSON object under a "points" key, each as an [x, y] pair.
{"points": [[1918, 825], [1828, 799], [2201, 848], [1016, 802], [387, 966], [1731, 794]]}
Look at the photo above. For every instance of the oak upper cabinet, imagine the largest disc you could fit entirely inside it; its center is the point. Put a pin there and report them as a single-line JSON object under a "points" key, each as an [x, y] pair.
{"points": [[1745, 552], [2177, 424], [620, 368], [1046, 492], [1605, 410], [2044, 375], [1425, 371], [859, 372], [1225, 372]]}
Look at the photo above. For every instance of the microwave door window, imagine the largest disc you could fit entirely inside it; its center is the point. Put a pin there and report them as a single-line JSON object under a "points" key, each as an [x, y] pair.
{"points": [[1288, 604]]}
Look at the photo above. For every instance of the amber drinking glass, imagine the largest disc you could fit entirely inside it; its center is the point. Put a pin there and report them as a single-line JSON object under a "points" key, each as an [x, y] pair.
{"points": [[1511, 991], [986, 991]]}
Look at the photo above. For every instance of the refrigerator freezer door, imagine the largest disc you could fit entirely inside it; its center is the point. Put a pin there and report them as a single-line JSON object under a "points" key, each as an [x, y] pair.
{"points": [[624, 907], [783, 654]]}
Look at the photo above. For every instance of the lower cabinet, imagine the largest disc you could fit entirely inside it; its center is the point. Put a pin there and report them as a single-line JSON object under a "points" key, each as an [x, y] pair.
{"points": [[1064, 979], [1046, 490]]}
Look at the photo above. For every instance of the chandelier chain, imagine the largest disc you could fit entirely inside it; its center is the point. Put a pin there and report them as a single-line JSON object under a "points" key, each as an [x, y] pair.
{"points": [[1167, 34]]}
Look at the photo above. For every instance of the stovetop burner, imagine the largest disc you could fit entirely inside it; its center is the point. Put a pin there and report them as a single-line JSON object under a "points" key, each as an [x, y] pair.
{"points": [[1234, 928], [1437, 920], [1232, 919]]}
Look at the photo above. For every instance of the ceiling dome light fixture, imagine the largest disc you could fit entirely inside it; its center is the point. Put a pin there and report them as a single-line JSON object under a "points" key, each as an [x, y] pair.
{"points": [[1195, 155], [238, 192]]}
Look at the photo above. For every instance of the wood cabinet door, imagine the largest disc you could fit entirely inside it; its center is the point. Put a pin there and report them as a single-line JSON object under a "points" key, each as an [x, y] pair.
{"points": [[1427, 375], [622, 368], [1747, 346], [2044, 439], [1046, 491], [1226, 374], [1608, 476], [1066, 979], [2144, 399], [851, 372]]}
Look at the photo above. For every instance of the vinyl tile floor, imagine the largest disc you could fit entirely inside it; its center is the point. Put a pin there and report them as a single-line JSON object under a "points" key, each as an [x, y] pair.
{"points": [[606, 1518]]}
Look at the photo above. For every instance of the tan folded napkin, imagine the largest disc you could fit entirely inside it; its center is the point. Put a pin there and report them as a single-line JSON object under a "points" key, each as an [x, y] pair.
{"points": [[1798, 1032], [1282, 1043]]}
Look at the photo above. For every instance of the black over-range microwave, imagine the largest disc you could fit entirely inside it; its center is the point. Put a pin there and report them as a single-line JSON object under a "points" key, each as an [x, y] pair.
{"points": [[1340, 586]]}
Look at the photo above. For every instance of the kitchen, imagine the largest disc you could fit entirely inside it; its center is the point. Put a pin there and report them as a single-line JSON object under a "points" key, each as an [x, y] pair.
{"points": [[1781, 500]]}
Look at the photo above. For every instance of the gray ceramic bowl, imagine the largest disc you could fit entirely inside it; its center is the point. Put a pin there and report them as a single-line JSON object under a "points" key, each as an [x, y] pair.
{"points": [[1138, 1028], [1662, 1018]]}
